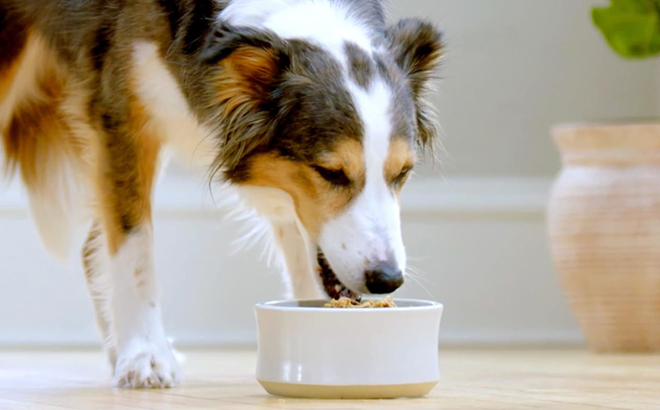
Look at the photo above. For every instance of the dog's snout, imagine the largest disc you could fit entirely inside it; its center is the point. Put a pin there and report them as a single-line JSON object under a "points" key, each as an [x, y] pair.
{"points": [[384, 278]]}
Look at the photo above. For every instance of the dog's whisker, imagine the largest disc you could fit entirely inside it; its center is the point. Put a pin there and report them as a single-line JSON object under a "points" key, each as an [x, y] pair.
{"points": [[416, 281], [422, 279], [419, 276]]}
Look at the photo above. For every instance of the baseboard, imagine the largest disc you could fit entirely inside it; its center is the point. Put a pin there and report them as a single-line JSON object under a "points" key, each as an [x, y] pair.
{"points": [[450, 195]]}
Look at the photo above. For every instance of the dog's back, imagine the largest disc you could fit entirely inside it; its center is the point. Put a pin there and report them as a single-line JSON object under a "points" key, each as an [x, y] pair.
{"points": [[54, 57]]}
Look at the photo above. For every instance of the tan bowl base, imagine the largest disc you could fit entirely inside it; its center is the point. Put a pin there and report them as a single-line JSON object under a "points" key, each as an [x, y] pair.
{"points": [[305, 391]]}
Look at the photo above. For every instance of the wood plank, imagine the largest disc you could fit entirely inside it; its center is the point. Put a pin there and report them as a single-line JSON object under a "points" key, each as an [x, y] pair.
{"points": [[490, 379]]}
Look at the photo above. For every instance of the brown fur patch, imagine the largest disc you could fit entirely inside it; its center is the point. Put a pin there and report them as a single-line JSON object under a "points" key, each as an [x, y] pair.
{"points": [[400, 157], [247, 71], [347, 155], [314, 199], [36, 130], [7, 75], [13, 37], [127, 173], [242, 85]]}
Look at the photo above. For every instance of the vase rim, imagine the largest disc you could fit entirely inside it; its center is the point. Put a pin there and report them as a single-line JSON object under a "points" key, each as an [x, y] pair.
{"points": [[605, 144]]}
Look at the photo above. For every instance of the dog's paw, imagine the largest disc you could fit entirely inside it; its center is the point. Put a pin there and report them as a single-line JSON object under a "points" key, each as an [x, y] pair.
{"points": [[147, 366]]}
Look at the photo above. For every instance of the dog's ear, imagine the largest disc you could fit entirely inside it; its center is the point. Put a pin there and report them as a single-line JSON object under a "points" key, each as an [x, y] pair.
{"points": [[417, 47], [255, 59], [250, 66]]}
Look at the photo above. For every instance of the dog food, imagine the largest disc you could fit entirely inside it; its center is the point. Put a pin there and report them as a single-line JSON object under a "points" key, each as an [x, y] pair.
{"points": [[347, 303]]}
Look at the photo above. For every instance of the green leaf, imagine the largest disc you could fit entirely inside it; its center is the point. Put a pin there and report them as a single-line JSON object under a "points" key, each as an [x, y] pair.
{"points": [[631, 27], [635, 6]]}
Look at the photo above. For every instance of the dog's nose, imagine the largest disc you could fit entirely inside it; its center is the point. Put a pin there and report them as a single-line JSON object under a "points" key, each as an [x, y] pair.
{"points": [[384, 278]]}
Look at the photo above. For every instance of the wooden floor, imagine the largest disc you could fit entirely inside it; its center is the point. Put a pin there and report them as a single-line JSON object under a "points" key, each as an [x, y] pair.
{"points": [[472, 379]]}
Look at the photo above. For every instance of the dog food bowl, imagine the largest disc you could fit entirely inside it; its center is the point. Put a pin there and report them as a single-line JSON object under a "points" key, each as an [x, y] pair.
{"points": [[309, 351]]}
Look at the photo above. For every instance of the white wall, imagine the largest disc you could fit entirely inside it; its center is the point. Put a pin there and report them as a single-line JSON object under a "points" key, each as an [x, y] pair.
{"points": [[513, 68], [479, 243]]}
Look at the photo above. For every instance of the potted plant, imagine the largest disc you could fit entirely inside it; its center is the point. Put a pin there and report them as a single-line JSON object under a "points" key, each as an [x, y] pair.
{"points": [[604, 211]]}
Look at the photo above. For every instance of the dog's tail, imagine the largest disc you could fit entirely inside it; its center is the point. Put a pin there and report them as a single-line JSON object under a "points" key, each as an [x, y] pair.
{"points": [[33, 135]]}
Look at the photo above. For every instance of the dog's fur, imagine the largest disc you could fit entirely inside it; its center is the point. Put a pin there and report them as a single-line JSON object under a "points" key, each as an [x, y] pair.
{"points": [[314, 110]]}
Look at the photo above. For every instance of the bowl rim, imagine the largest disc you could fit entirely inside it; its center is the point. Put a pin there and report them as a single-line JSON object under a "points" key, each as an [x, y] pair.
{"points": [[276, 305]]}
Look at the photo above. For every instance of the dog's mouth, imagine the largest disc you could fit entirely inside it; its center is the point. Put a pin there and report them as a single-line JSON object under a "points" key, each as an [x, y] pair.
{"points": [[331, 283]]}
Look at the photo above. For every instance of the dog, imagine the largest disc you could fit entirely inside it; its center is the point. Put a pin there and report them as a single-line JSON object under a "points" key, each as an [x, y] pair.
{"points": [[314, 111]]}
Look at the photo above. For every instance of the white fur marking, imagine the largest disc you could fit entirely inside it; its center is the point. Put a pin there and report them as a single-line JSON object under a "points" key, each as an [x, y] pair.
{"points": [[327, 23], [144, 355], [159, 92], [370, 228]]}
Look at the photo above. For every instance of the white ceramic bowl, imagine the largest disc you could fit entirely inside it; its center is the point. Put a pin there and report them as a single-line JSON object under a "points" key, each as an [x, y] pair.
{"points": [[309, 351]]}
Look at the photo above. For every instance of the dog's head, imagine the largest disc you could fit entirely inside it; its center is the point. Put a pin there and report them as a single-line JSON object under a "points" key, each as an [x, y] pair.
{"points": [[338, 130]]}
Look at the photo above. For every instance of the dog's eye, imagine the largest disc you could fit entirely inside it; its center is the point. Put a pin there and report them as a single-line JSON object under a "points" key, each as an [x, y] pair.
{"points": [[334, 176], [401, 178]]}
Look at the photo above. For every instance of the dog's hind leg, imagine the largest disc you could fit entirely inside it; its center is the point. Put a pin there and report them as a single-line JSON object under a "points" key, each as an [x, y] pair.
{"points": [[96, 262], [37, 141]]}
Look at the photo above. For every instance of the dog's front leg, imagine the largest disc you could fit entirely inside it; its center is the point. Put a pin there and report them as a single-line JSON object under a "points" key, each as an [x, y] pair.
{"points": [[296, 250], [144, 356], [128, 163], [300, 265]]}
